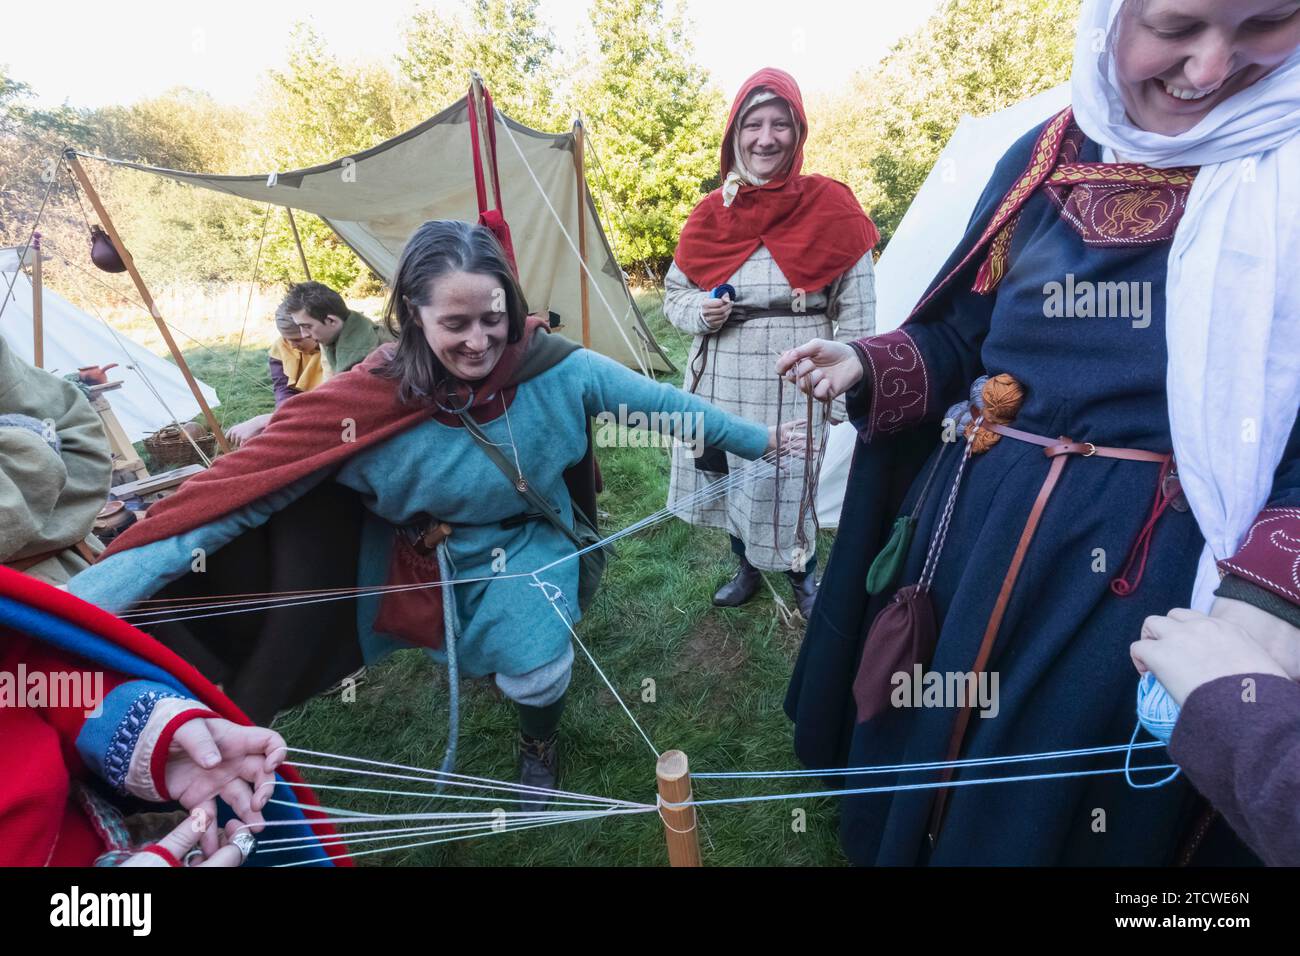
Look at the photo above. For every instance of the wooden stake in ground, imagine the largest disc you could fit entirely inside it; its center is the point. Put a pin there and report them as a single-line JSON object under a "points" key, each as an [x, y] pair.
{"points": [[579, 162], [106, 221], [683, 838], [38, 306]]}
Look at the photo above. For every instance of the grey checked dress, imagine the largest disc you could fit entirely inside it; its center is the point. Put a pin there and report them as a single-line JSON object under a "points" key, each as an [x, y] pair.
{"points": [[740, 377]]}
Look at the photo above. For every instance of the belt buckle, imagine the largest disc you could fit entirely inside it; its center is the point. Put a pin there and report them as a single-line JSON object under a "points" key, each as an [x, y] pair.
{"points": [[1092, 450]]}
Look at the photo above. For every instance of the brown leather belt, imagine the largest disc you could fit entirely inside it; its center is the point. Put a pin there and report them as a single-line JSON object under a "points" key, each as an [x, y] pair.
{"points": [[1059, 450], [22, 564]]}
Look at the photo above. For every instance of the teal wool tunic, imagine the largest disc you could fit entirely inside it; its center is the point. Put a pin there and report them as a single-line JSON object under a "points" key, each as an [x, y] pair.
{"points": [[507, 625]]}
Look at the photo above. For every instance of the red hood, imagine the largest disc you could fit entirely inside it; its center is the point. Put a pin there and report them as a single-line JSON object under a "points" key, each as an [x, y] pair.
{"points": [[783, 85]]}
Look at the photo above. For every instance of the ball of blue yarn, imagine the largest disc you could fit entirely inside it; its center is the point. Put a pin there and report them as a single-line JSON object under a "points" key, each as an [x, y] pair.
{"points": [[1156, 710]]}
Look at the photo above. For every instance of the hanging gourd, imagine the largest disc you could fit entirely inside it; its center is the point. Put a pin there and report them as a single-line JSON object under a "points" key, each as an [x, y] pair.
{"points": [[103, 253]]}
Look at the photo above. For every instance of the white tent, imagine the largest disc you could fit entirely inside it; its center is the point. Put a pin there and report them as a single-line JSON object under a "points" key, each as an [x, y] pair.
{"points": [[934, 224], [374, 200], [153, 393]]}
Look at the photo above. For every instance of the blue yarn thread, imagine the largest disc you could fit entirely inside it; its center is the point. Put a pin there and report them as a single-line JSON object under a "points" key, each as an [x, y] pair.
{"points": [[1157, 713], [450, 629], [722, 290]]}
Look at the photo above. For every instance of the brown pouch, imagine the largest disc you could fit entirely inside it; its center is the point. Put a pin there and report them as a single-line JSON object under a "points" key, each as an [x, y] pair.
{"points": [[902, 635], [412, 613]]}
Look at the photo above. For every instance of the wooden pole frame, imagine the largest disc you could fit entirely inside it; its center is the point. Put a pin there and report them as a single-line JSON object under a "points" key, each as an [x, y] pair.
{"points": [[484, 145], [38, 305], [107, 222], [579, 164], [297, 241], [676, 809]]}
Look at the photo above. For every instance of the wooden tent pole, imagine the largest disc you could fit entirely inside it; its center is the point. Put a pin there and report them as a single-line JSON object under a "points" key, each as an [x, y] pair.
{"points": [[297, 241], [579, 163], [106, 221], [674, 775], [484, 144], [38, 306]]}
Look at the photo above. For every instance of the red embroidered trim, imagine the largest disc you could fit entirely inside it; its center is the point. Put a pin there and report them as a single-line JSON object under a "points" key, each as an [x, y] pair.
{"points": [[999, 259], [900, 385], [1041, 164], [1270, 555], [158, 761]]}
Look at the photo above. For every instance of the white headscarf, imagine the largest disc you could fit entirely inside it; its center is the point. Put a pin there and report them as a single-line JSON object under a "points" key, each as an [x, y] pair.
{"points": [[1233, 286], [740, 174]]}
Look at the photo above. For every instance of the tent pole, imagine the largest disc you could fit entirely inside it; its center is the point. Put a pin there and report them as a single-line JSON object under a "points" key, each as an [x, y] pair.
{"points": [[579, 164], [75, 165], [676, 809], [483, 146], [302, 256], [38, 306]]}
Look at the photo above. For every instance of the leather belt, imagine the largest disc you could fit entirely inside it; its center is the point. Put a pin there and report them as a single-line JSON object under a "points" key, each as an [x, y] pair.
{"points": [[1059, 450], [23, 564]]}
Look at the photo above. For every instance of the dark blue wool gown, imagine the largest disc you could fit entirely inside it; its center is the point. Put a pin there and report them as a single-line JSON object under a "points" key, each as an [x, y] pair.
{"points": [[1061, 655]]}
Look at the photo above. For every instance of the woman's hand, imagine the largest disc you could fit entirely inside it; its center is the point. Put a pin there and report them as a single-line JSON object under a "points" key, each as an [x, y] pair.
{"points": [[793, 439], [715, 312], [1279, 639], [181, 842], [1186, 649], [210, 757], [828, 368], [250, 429]]}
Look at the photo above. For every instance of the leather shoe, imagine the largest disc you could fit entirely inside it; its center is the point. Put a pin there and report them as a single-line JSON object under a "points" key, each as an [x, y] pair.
{"points": [[539, 766], [805, 591], [743, 586]]}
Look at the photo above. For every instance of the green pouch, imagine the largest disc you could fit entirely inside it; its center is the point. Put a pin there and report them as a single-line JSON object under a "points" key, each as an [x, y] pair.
{"points": [[889, 562]]}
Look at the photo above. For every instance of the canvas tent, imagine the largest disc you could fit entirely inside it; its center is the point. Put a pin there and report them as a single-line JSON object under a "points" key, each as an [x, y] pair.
{"points": [[934, 224], [374, 200], [153, 393]]}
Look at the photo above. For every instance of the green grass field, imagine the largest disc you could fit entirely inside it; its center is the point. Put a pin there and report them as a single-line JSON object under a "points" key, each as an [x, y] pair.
{"points": [[719, 678]]}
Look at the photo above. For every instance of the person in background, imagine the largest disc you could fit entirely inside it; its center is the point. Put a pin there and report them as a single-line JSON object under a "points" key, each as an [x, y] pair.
{"points": [[295, 363], [55, 471], [345, 337], [765, 262]]}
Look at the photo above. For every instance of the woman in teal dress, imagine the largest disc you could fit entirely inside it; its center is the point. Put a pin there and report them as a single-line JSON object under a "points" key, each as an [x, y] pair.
{"points": [[465, 344]]}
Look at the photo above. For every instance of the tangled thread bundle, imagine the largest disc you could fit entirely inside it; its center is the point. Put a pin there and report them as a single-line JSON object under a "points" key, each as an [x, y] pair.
{"points": [[999, 404]]}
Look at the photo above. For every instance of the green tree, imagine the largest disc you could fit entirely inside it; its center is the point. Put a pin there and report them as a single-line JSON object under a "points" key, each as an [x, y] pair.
{"points": [[505, 41], [655, 121], [885, 133]]}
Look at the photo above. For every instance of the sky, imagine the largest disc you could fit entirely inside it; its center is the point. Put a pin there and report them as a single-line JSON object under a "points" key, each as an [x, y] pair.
{"points": [[90, 53]]}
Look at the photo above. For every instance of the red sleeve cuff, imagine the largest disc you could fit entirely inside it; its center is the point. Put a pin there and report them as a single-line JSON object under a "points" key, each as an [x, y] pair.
{"points": [[158, 761], [1270, 555], [899, 387]]}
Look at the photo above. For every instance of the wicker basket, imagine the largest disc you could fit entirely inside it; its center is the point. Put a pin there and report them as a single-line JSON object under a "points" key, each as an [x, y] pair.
{"points": [[170, 448]]}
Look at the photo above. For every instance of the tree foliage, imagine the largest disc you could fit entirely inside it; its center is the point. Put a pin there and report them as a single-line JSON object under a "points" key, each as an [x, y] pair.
{"points": [[883, 134], [656, 121], [654, 126], [505, 41]]}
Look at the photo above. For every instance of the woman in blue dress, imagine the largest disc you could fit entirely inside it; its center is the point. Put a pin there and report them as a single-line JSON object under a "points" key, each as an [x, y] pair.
{"points": [[464, 344], [1124, 309]]}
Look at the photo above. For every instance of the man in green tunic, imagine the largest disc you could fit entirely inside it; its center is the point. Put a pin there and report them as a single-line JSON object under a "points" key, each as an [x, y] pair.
{"points": [[55, 471], [346, 337]]}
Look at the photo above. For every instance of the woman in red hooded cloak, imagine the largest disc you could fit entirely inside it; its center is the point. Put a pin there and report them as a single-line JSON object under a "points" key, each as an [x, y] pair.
{"points": [[768, 259]]}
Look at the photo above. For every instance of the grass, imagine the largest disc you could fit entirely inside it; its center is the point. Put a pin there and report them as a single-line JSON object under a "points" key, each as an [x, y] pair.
{"points": [[719, 679]]}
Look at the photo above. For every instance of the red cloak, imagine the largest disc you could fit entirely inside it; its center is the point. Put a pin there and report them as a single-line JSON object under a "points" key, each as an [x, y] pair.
{"points": [[814, 226]]}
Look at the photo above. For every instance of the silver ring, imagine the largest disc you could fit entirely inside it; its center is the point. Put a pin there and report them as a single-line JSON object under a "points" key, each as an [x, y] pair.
{"points": [[193, 858], [245, 842]]}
